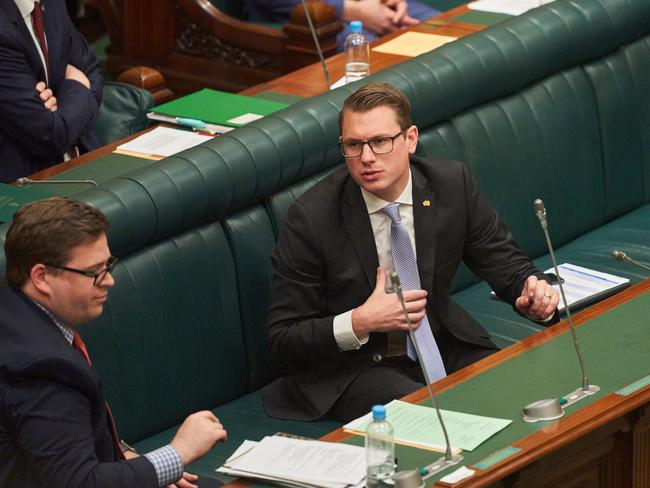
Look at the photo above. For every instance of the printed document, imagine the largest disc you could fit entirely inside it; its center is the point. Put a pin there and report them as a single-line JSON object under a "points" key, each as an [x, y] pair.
{"points": [[299, 462], [583, 286], [161, 142]]}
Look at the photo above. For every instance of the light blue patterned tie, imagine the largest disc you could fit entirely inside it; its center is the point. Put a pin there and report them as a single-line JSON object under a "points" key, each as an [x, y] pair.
{"points": [[406, 267]]}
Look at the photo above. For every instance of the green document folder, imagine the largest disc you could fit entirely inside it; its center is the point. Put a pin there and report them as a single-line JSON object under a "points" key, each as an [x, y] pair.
{"points": [[218, 107]]}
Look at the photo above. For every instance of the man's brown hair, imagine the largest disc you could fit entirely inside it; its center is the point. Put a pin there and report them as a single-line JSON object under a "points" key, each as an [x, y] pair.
{"points": [[46, 231], [375, 95]]}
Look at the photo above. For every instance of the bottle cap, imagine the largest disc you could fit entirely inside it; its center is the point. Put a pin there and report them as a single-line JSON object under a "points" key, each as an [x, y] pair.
{"points": [[356, 26], [378, 412]]}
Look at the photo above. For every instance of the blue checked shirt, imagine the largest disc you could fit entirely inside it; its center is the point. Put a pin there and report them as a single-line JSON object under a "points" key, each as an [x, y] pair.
{"points": [[166, 461]]}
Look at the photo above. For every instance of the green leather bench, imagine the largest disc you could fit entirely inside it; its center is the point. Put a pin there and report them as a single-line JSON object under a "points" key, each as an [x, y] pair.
{"points": [[553, 104]]}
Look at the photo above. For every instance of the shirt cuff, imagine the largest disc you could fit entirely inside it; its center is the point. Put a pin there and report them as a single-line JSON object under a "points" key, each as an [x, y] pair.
{"points": [[345, 337], [167, 464], [338, 6]]}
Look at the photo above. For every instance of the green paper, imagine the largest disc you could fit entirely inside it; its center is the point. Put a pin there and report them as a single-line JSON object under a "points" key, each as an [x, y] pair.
{"points": [[218, 107], [417, 424], [481, 18]]}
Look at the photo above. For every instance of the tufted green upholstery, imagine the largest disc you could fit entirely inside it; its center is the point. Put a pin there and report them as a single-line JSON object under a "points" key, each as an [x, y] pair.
{"points": [[123, 112], [552, 104]]}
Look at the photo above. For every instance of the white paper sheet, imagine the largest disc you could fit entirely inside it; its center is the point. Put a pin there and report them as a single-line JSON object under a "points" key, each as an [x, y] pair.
{"points": [[510, 7], [163, 141]]}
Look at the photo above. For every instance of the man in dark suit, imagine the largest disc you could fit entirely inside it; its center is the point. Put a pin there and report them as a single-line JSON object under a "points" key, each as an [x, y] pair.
{"points": [[56, 429], [50, 88], [332, 323]]}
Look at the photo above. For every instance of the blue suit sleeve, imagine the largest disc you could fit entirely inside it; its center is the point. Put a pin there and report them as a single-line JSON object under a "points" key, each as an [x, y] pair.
{"points": [[22, 115], [280, 10]]}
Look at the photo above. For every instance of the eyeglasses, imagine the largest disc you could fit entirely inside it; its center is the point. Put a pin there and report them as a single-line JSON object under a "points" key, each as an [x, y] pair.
{"points": [[97, 277], [378, 145]]}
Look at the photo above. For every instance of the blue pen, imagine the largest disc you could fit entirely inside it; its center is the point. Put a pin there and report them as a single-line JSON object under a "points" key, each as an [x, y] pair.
{"points": [[193, 123]]}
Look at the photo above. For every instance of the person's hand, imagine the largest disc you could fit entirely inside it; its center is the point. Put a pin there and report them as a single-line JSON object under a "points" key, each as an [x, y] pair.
{"points": [[196, 436], [72, 73], [185, 481], [401, 17], [47, 96], [375, 15], [538, 299], [382, 312]]}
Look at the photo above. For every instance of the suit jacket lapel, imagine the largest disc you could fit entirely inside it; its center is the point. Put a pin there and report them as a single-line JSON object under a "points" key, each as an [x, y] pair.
{"points": [[357, 223], [424, 212], [24, 37]]}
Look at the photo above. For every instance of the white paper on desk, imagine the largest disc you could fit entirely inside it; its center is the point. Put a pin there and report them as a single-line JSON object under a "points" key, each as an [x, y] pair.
{"points": [[300, 459], [163, 141], [510, 7], [583, 285]]}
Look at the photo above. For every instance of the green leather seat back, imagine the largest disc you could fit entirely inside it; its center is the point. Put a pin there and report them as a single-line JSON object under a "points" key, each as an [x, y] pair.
{"points": [[251, 237], [621, 83], [123, 112], [279, 203], [169, 341]]}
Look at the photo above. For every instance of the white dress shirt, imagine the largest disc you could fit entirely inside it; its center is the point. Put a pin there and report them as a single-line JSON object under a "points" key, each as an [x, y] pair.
{"points": [[25, 7], [345, 337]]}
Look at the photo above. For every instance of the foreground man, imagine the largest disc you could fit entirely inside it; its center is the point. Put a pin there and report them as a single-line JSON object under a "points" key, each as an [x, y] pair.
{"points": [[56, 429], [333, 323]]}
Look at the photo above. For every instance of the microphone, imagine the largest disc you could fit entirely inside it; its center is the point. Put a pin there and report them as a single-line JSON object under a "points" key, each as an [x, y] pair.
{"points": [[317, 43], [23, 182], [532, 412], [621, 256], [448, 459]]}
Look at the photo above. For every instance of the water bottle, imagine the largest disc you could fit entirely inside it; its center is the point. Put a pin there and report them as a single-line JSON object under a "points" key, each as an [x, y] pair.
{"points": [[380, 449], [357, 53]]}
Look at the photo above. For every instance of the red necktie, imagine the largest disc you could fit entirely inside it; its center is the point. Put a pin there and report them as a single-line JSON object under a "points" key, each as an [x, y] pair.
{"points": [[79, 345], [37, 22]]}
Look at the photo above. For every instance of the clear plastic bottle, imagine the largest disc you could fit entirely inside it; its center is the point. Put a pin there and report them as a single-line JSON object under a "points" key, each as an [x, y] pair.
{"points": [[357, 53], [380, 449]]}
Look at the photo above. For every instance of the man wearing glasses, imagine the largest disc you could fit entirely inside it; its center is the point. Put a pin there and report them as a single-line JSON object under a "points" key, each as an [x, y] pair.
{"points": [[334, 325], [55, 426]]}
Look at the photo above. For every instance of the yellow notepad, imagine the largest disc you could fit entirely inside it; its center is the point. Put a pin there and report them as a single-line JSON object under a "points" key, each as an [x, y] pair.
{"points": [[413, 44]]}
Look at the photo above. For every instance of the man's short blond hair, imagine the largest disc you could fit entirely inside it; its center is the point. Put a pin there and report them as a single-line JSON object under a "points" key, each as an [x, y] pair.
{"points": [[375, 95]]}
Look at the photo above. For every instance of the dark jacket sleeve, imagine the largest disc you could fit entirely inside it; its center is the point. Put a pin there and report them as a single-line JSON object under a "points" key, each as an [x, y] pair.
{"points": [[51, 423], [23, 117], [299, 321]]}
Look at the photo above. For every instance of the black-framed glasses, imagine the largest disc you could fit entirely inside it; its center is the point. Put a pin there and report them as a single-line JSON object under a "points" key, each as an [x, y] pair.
{"points": [[378, 145], [97, 277]]}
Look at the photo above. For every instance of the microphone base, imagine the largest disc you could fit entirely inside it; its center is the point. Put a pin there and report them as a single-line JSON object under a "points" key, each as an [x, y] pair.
{"points": [[441, 464], [578, 394], [552, 409]]}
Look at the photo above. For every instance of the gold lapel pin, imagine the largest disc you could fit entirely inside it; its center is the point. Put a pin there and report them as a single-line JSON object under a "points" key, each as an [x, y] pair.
{"points": [[426, 203]]}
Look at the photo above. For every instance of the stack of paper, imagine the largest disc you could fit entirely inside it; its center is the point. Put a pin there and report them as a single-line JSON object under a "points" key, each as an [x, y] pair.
{"points": [[299, 463], [161, 142], [583, 286], [510, 7], [418, 426]]}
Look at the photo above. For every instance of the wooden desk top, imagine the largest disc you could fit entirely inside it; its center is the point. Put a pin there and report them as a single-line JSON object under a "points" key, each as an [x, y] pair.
{"points": [[558, 433], [310, 80], [305, 82]]}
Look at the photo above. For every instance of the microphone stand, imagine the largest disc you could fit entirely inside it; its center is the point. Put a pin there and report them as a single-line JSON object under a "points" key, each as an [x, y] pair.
{"points": [[448, 459], [320, 52], [621, 256], [543, 409], [23, 182]]}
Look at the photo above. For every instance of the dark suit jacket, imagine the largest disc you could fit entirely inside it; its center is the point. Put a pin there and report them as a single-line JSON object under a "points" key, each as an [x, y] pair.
{"points": [[53, 426], [325, 264], [32, 137]]}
